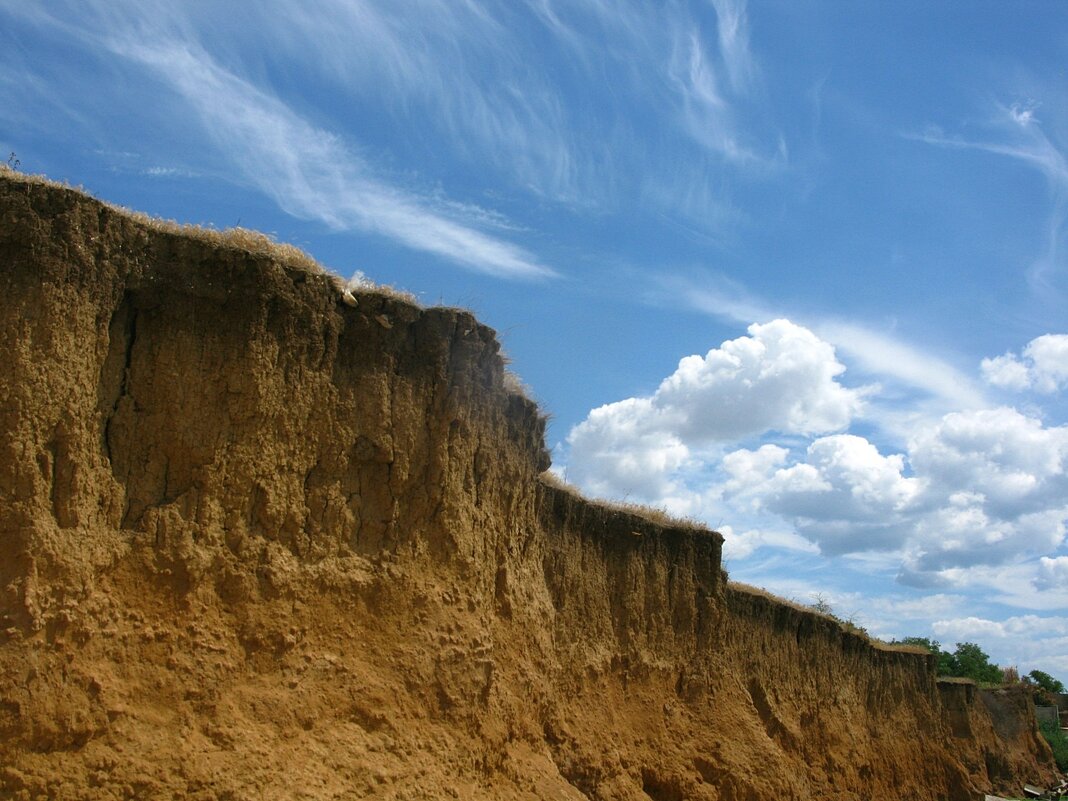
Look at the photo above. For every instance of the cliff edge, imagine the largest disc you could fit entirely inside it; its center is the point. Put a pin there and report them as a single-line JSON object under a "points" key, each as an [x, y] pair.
{"points": [[260, 539]]}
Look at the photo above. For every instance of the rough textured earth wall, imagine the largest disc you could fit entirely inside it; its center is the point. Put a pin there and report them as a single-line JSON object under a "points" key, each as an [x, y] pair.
{"points": [[257, 543], [992, 730]]}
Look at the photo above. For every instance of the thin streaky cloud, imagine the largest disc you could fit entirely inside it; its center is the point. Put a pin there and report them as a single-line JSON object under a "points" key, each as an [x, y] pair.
{"points": [[876, 353], [477, 78], [725, 300], [881, 354], [544, 11], [309, 172], [1041, 155], [1028, 143], [661, 59], [491, 102], [706, 116], [733, 29]]}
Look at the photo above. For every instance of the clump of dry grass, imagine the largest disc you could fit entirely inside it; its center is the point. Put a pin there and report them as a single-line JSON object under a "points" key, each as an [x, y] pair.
{"points": [[899, 647], [844, 625], [555, 481], [10, 173], [514, 385], [749, 589], [256, 243], [653, 514]]}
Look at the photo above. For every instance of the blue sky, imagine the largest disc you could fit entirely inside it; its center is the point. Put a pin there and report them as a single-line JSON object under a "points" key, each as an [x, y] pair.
{"points": [[795, 269]]}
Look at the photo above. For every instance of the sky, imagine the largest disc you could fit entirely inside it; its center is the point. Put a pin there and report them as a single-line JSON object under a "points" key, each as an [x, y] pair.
{"points": [[794, 269]]}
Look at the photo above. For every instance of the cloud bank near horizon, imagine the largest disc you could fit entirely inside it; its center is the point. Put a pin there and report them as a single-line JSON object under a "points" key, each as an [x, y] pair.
{"points": [[759, 431]]}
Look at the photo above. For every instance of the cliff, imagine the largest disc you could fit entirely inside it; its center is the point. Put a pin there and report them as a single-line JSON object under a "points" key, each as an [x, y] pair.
{"points": [[261, 540]]}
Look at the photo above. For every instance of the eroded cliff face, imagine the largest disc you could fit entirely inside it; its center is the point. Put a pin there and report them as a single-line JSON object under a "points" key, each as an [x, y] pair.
{"points": [[258, 543]]}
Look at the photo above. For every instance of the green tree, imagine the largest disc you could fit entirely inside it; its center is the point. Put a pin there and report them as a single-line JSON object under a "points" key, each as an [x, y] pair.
{"points": [[946, 665], [1046, 681], [971, 662]]}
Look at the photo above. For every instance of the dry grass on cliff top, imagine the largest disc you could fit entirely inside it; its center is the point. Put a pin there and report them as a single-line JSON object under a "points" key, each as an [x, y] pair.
{"points": [[246, 240], [652, 514], [845, 626]]}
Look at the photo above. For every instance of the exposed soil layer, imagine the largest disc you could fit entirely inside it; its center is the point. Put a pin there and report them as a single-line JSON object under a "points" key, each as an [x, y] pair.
{"points": [[259, 543]]}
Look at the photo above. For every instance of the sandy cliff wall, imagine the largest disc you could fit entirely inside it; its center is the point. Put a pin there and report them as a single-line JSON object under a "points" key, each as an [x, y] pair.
{"points": [[993, 732], [256, 542]]}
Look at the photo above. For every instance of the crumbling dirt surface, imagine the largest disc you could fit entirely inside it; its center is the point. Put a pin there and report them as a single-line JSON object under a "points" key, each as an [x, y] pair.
{"points": [[259, 543]]}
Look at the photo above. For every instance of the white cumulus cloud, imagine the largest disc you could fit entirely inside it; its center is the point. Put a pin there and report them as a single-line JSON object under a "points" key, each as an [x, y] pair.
{"points": [[968, 629], [980, 488], [1010, 459], [743, 544], [1052, 573], [781, 377], [844, 495], [975, 488], [1043, 366], [1026, 639]]}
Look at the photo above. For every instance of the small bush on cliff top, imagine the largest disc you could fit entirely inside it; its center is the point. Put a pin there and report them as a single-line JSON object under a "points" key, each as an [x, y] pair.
{"points": [[822, 606]]}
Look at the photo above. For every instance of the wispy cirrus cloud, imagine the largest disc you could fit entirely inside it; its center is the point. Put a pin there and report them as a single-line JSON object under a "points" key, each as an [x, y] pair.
{"points": [[464, 68], [878, 353], [310, 173], [550, 122], [1017, 132], [706, 115], [733, 30], [1023, 139], [600, 105]]}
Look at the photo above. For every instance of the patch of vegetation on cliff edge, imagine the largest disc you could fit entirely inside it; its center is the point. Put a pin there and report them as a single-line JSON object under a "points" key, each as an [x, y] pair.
{"points": [[968, 661], [653, 514], [824, 611], [1058, 742], [247, 240]]}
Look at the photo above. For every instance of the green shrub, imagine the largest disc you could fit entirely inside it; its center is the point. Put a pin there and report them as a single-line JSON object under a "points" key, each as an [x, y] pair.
{"points": [[1057, 740], [1046, 681]]}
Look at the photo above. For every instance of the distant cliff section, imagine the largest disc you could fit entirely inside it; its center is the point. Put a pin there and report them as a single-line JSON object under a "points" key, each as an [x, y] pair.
{"points": [[260, 539]]}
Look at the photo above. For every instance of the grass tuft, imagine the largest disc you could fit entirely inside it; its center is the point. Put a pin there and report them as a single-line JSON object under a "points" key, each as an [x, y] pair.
{"points": [[654, 514]]}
